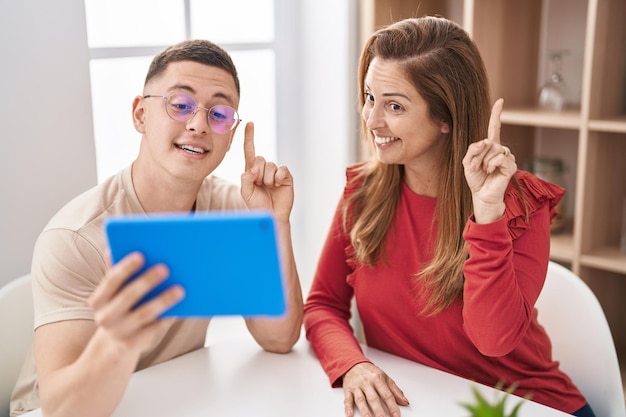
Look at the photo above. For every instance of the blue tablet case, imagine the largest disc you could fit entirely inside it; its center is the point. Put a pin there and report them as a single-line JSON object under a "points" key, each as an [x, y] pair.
{"points": [[227, 262]]}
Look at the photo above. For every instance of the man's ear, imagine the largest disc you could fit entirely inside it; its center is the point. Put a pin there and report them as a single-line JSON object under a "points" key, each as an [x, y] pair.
{"points": [[139, 114]]}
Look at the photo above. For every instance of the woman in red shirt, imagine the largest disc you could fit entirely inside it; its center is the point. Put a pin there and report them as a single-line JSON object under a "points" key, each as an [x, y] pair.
{"points": [[440, 239]]}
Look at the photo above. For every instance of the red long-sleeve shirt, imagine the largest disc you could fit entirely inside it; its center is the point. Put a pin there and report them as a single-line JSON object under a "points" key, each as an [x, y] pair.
{"points": [[491, 335]]}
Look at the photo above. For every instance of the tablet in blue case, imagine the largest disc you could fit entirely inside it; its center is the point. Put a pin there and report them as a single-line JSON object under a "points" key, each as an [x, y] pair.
{"points": [[227, 262]]}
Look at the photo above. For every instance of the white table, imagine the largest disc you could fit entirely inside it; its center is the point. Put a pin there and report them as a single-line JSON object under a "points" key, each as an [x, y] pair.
{"points": [[237, 378]]}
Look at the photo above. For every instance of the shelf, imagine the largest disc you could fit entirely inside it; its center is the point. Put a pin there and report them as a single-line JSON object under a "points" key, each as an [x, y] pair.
{"points": [[607, 258], [527, 116], [589, 135], [617, 125], [562, 247]]}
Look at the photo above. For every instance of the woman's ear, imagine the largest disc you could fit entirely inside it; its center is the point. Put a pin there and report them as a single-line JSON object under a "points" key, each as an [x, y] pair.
{"points": [[139, 114], [445, 128]]}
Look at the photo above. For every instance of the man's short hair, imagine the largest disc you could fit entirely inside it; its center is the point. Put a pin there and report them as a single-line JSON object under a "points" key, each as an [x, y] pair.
{"points": [[200, 51]]}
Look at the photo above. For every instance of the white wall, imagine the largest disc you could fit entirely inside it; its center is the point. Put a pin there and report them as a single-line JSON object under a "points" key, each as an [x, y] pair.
{"points": [[325, 133], [46, 132], [321, 139], [48, 152]]}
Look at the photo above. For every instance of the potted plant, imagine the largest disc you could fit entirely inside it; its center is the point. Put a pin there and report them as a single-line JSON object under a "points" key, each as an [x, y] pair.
{"points": [[481, 407]]}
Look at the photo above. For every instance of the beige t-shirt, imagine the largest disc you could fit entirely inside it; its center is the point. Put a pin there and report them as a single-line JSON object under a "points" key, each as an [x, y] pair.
{"points": [[69, 260]]}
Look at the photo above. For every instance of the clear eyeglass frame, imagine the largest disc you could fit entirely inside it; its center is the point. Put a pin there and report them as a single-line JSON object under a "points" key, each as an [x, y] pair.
{"points": [[181, 107]]}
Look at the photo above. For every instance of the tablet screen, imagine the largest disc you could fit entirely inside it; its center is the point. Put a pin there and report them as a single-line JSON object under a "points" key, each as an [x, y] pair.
{"points": [[227, 262]]}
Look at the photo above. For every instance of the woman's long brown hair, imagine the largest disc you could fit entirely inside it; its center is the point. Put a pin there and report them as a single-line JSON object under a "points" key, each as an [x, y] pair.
{"points": [[444, 65]]}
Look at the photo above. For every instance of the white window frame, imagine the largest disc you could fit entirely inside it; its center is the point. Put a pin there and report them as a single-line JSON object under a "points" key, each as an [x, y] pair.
{"points": [[316, 50]]}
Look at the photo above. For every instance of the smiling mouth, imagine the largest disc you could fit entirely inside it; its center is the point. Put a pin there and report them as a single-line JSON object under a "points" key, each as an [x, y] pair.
{"points": [[191, 149], [382, 141]]}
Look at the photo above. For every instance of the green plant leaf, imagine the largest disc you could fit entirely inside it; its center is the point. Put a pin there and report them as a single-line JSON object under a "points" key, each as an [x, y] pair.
{"points": [[516, 409], [483, 408]]}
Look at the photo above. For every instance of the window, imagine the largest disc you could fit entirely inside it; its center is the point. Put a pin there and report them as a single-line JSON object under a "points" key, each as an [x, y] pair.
{"points": [[295, 58], [123, 37]]}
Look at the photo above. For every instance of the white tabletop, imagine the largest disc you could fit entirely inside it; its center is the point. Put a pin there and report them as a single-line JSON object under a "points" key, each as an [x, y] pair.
{"points": [[237, 378]]}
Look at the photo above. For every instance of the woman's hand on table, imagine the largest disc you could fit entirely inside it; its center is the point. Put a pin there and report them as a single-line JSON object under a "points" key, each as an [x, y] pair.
{"points": [[372, 391]]}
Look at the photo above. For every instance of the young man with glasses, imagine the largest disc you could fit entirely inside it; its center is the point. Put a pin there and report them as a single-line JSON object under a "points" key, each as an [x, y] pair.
{"points": [[88, 338]]}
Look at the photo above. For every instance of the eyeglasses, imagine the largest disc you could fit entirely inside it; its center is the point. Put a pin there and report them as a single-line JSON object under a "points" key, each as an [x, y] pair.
{"points": [[182, 108]]}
